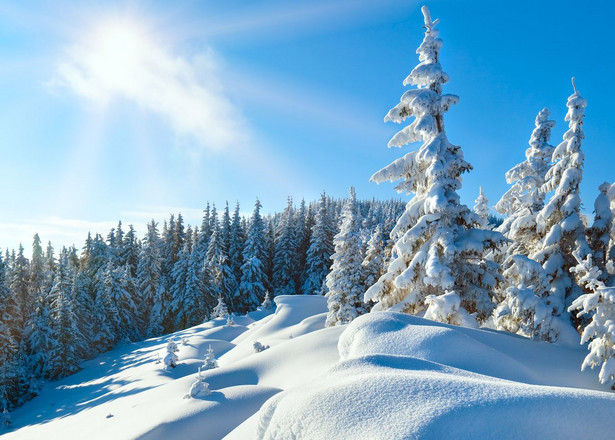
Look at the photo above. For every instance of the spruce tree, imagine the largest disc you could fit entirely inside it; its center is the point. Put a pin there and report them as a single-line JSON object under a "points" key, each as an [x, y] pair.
{"points": [[373, 262], [439, 246], [481, 207], [559, 221], [344, 281], [318, 260], [285, 258], [63, 359], [253, 276]]}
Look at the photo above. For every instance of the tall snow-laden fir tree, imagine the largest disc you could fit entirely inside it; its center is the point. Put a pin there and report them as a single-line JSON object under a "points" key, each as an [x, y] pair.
{"points": [[481, 207], [63, 359], [20, 275], [148, 282], [285, 258], [439, 244], [236, 245], [525, 198], [559, 221], [344, 282], [318, 260], [253, 278]]}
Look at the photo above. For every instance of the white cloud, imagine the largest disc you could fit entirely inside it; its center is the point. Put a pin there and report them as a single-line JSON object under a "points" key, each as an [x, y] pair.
{"points": [[118, 61]]}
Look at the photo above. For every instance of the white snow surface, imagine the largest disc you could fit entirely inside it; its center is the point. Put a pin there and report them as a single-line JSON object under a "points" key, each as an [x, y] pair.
{"points": [[384, 376]]}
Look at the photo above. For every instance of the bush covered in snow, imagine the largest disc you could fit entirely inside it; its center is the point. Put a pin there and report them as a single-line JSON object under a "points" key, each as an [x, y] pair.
{"points": [[258, 347]]}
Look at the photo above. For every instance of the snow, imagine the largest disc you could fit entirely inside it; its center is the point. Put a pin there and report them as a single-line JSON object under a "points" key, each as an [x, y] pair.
{"points": [[386, 375]]}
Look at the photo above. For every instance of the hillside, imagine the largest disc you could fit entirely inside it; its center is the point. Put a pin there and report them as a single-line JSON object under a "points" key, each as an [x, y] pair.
{"points": [[386, 375]]}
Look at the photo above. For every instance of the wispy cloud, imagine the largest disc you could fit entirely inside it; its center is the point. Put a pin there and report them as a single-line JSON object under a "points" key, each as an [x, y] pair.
{"points": [[121, 62]]}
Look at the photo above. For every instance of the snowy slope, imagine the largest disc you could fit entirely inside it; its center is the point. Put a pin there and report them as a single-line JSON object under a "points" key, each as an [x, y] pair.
{"points": [[392, 376]]}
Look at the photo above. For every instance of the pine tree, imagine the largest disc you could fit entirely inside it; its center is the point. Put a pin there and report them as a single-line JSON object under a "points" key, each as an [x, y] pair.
{"points": [[19, 285], [560, 219], [525, 198], [63, 359], [210, 361], [482, 207], [524, 308], [600, 304], [220, 311], [598, 235], [253, 277], [344, 281], [8, 346], [285, 259], [148, 282], [373, 263], [236, 245], [318, 260], [439, 246]]}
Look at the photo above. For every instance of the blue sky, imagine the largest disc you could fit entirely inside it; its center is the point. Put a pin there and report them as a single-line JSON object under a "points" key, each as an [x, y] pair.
{"points": [[132, 110]]}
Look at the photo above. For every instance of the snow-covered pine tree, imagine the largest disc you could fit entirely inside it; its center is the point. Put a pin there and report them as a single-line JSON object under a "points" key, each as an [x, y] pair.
{"points": [[525, 198], [253, 277], [19, 285], [373, 262], [598, 235], [559, 221], [524, 308], [8, 346], [210, 361], [481, 207], [148, 282], [267, 303], [439, 244], [220, 311], [285, 258], [600, 304], [318, 260], [220, 279], [236, 245], [344, 282], [63, 359]]}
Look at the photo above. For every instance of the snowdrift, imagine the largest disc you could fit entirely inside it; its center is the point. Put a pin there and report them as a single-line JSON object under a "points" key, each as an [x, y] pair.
{"points": [[402, 377], [384, 376]]}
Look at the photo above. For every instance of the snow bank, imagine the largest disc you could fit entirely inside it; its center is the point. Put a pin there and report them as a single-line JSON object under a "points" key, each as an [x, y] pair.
{"points": [[406, 377]]}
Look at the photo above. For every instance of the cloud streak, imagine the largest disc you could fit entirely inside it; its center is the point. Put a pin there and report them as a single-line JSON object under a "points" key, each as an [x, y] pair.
{"points": [[121, 62]]}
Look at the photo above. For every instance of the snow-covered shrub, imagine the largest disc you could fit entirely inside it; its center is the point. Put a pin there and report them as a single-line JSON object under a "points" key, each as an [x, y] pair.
{"points": [[524, 309], [171, 360], [220, 311], [267, 303], [6, 419], [600, 304], [199, 387], [258, 347], [210, 360], [439, 245], [230, 320], [447, 308]]}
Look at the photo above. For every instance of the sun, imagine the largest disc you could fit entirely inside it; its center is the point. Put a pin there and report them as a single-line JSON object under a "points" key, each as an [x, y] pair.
{"points": [[118, 52]]}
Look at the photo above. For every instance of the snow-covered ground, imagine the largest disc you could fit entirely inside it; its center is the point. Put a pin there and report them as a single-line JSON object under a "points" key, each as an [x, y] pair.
{"points": [[385, 376]]}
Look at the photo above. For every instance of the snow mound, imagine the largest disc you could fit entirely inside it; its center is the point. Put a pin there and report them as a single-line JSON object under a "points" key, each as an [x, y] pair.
{"points": [[406, 377]]}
